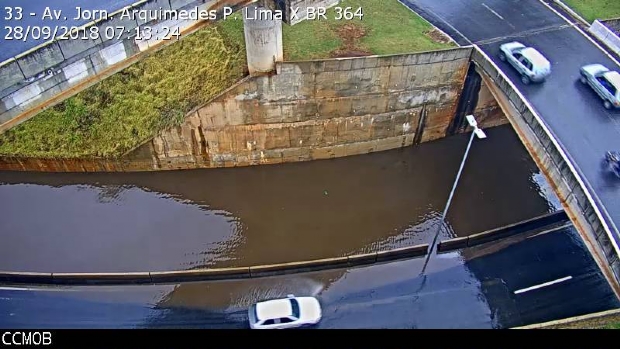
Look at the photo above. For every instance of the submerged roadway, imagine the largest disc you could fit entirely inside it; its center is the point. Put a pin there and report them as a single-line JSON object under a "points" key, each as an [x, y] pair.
{"points": [[504, 284], [572, 110]]}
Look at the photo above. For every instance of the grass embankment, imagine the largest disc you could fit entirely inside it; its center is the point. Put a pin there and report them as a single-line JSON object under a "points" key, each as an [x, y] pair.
{"points": [[595, 9], [131, 106]]}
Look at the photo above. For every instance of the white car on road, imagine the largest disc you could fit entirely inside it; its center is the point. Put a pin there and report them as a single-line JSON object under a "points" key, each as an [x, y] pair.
{"points": [[284, 313], [605, 82], [531, 64]]}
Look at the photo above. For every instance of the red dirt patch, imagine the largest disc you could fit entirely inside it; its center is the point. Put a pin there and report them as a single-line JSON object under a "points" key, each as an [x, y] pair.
{"points": [[437, 36], [350, 35]]}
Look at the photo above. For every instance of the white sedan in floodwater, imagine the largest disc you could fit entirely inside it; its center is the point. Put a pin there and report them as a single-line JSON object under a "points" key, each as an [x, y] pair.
{"points": [[289, 312]]}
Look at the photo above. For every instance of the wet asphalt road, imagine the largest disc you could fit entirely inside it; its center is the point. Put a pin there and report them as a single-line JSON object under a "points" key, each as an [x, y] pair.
{"points": [[495, 286], [11, 48], [573, 111]]}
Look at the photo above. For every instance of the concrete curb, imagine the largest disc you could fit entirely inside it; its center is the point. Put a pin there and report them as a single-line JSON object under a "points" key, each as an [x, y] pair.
{"points": [[571, 12], [543, 325], [257, 271], [535, 224]]}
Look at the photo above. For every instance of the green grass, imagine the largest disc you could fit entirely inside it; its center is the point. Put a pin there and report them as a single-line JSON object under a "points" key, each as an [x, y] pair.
{"points": [[130, 107], [595, 9], [390, 27], [615, 326]]}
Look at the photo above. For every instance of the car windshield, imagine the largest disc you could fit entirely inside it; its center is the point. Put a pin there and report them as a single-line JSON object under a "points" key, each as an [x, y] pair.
{"points": [[295, 307]]}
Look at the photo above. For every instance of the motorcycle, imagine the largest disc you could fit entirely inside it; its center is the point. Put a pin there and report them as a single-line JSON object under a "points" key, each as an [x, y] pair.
{"points": [[612, 160]]}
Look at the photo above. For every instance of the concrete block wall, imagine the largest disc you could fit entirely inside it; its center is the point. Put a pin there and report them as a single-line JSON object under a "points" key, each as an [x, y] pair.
{"points": [[583, 209], [56, 70], [322, 109], [606, 35]]}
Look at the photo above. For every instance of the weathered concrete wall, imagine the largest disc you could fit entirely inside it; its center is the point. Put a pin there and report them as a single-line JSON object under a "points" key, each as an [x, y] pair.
{"points": [[321, 109], [571, 189], [263, 39], [605, 33], [56, 70], [310, 110]]}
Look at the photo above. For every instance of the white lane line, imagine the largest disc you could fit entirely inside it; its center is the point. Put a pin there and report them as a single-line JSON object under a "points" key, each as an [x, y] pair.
{"points": [[543, 285], [493, 12], [42, 289], [581, 32]]}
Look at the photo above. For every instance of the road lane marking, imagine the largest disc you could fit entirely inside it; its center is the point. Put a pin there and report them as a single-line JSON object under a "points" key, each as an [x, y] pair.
{"points": [[439, 18], [493, 12], [523, 290], [576, 27], [42, 289]]}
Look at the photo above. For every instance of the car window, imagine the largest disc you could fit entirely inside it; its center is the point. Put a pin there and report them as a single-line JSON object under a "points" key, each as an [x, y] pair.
{"points": [[286, 320], [526, 63], [517, 56], [269, 322], [607, 85], [295, 307]]}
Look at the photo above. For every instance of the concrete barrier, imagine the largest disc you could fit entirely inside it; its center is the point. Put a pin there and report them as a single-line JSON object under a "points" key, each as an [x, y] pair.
{"points": [[257, 271], [529, 225], [402, 253], [539, 223], [585, 209], [606, 36], [452, 244], [100, 278], [200, 275], [25, 277], [362, 259], [298, 267]]}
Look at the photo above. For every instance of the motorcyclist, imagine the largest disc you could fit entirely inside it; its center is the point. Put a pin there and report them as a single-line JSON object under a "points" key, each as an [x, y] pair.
{"points": [[613, 157]]}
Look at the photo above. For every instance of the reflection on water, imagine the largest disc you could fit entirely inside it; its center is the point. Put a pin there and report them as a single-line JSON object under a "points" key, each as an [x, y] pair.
{"points": [[267, 214]]}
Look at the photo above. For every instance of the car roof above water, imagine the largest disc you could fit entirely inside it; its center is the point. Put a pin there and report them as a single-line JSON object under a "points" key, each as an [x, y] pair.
{"points": [[274, 309]]}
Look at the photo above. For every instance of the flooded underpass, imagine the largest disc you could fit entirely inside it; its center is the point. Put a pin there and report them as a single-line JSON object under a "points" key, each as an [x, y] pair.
{"points": [[280, 213], [264, 214]]}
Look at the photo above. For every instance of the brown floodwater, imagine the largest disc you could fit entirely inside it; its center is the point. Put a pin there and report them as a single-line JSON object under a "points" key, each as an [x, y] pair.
{"points": [[265, 214]]}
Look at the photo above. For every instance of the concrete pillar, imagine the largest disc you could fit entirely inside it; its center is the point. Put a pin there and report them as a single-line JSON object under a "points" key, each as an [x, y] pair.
{"points": [[263, 39]]}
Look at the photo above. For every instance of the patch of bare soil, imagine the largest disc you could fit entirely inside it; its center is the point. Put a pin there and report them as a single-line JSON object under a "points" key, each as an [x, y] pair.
{"points": [[350, 35], [437, 36]]}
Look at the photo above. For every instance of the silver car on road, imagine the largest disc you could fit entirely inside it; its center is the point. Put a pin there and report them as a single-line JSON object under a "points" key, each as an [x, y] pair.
{"points": [[605, 82], [531, 64]]}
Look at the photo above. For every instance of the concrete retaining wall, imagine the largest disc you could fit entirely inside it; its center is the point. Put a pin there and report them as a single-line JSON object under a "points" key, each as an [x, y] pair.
{"points": [[306, 111], [323, 109], [257, 271], [612, 24], [536, 224], [48, 74], [576, 195], [606, 35]]}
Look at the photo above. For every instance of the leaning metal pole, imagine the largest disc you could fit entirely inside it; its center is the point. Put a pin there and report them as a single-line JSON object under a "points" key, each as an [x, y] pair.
{"points": [[445, 210]]}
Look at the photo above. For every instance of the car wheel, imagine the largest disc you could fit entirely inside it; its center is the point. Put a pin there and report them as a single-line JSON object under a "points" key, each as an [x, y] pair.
{"points": [[502, 57], [607, 105], [525, 79], [583, 80]]}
